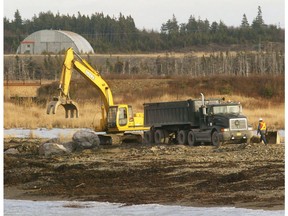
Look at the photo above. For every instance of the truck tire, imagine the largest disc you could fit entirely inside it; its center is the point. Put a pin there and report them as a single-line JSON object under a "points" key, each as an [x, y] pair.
{"points": [[215, 139], [148, 137], [159, 136], [191, 138], [182, 137]]}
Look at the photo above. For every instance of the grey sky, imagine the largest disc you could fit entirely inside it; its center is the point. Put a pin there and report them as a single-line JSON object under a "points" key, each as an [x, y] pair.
{"points": [[151, 14]]}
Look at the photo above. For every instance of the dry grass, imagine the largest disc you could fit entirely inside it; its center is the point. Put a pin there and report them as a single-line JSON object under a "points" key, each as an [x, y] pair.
{"points": [[33, 116], [260, 97]]}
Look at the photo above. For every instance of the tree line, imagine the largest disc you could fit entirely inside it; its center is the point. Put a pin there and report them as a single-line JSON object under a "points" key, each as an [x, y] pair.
{"points": [[119, 34], [269, 60]]}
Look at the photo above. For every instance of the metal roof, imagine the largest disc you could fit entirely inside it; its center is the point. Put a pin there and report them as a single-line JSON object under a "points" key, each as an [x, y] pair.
{"points": [[81, 43], [54, 41]]}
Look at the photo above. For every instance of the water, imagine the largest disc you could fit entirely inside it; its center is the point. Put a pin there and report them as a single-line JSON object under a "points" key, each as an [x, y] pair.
{"points": [[41, 132], [58, 132], [74, 208]]}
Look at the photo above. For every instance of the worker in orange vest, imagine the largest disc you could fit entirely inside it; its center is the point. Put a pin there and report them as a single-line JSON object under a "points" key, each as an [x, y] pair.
{"points": [[262, 130]]}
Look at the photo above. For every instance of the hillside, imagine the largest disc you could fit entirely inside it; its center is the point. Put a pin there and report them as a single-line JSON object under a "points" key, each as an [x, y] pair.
{"points": [[130, 89]]}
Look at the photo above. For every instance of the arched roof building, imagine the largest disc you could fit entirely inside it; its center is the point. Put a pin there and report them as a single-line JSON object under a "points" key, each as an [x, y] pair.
{"points": [[53, 41]]}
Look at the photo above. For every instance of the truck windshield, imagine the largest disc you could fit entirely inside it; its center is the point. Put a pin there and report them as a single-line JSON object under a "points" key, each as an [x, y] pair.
{"points": [[227, 109]]}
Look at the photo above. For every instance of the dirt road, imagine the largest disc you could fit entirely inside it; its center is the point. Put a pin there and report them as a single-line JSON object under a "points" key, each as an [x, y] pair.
{"points": [[249, 176]]}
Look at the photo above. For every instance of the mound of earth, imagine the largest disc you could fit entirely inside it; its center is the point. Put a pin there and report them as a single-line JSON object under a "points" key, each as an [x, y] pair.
{"points": [[246, 175]]}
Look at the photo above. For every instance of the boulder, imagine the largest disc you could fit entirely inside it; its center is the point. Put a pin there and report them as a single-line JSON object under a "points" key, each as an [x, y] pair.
{"points": [[85, 139], [11, 151], [48, 149], [70, 146], [53, 140]]}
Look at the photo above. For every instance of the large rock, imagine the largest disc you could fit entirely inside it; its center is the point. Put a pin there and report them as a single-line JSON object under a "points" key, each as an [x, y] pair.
{"points": [[70, 146], [11, 151], [49, 149], [85, 139]]}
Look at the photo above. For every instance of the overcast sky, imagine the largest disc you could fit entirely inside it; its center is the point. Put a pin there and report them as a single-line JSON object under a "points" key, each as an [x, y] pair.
{"points": [[151, 14]]}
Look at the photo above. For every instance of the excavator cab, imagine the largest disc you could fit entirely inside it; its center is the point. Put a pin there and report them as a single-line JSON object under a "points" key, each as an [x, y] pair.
{"points": [[119, 118]]}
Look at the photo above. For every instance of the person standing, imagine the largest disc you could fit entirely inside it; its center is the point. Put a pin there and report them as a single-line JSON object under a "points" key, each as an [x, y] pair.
{"points": [[262, 130]]}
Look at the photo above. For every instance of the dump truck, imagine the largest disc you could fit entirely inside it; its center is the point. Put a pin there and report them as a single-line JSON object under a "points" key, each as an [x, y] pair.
{"points": [[196, 121]]}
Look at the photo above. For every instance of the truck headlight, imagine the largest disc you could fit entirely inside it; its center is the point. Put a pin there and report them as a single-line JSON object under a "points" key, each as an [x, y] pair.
{"points": [[224, 129]]}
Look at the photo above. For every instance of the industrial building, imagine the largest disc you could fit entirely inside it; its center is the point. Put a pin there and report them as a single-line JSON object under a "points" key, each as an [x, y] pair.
{"points": [[53, 41]]}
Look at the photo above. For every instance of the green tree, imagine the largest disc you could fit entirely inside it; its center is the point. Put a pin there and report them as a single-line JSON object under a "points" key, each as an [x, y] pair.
{"points": [[171, 26], [244, 22], [17, 21], [192, 25], [214, 27], [258, 22]]}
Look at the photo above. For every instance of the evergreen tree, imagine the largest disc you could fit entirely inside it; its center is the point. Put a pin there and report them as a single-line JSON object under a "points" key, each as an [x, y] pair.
{"points": [[17, 21], [171, 27], [258, 22], [214, 27], [110, 34], [244, 22], [192, 25]]}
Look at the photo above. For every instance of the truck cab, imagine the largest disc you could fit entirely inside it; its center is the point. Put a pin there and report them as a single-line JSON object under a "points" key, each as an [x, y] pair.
{"points": [[225, 123]]}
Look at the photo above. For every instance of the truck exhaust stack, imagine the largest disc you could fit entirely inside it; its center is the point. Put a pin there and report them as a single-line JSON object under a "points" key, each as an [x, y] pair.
{"points": [[203, 99]]}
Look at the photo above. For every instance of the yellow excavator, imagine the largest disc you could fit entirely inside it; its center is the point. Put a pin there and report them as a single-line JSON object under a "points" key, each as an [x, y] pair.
{"points": [[115, 118]]}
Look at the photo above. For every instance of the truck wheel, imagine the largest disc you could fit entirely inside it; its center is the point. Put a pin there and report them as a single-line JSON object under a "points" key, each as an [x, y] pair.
{"points": [[148, 137], [159, 137], [215, 139], [182, 137], [191, 138]]}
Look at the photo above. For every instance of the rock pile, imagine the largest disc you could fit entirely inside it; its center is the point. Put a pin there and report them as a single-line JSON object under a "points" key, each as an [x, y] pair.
{"points": [[81, 140]]}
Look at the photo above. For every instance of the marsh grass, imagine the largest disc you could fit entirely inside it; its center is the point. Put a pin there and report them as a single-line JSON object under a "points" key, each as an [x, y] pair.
{"points": [[259, 96], [34, 116]]}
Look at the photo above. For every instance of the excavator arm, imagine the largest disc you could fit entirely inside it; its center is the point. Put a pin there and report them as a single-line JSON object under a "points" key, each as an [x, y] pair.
{"points": [[74, 61]]}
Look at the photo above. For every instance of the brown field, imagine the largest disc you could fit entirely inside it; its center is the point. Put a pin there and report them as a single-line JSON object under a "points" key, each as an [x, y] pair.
{"points": [[137, 91]]}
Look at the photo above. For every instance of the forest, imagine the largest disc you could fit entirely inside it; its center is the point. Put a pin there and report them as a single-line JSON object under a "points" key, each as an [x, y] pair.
{"points": [[119, 34], [196, 48]]}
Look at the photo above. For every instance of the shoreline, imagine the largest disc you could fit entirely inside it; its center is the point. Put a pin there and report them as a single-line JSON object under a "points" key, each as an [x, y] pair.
{"points": [[14, 193], [234, 175]]}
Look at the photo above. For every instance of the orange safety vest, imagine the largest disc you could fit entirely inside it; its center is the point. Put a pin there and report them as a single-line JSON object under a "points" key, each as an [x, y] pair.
{"points": [[262, 125]]}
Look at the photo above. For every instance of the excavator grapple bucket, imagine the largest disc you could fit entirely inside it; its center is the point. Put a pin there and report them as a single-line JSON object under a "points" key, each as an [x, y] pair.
{"points": [[70, 107]]}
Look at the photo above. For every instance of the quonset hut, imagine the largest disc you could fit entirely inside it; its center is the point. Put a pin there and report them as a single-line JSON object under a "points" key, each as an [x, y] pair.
{"points": [[53, 41]]}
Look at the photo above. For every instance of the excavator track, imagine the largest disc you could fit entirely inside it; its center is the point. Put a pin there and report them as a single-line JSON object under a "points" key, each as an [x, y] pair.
{"points": [[118, 139]]}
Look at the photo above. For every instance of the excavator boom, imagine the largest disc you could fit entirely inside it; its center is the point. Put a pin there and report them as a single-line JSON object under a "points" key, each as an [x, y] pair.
{"points": [[115, 118], [74, 61]]}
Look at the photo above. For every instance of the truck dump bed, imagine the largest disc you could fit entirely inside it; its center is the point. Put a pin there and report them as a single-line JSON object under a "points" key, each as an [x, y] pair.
{"points": [[173, 113]]}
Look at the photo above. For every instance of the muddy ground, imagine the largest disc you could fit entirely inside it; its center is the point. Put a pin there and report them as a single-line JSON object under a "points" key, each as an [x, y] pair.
{"points": [[243, 175]]}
